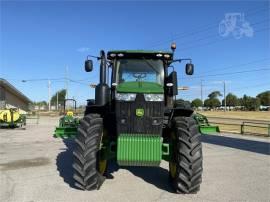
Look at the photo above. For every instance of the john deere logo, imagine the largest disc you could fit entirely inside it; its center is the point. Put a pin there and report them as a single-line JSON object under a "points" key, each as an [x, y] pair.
{"points": [[139, 112]]}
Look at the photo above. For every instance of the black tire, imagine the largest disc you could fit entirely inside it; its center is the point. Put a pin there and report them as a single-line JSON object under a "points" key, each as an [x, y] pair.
{"points": [[182, 104], [85, 163], [187, 156]]}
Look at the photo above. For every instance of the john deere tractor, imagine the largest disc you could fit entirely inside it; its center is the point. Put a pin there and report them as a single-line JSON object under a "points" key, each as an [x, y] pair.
{"points": [[68, 123], [134, 121]]}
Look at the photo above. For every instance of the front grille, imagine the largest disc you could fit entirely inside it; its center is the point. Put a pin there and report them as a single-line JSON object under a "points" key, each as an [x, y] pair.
{"points": [[150, 123]]}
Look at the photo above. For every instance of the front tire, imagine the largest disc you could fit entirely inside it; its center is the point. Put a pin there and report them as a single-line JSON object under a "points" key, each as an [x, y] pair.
{"points": [[186, 166], [87, 174]]}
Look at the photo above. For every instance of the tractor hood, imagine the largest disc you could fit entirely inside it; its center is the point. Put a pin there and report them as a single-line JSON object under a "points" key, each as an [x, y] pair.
{"points": [[140, 87]]}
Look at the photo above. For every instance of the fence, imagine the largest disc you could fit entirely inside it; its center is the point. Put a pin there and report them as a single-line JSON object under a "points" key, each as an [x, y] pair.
{"points": [[32, 119], [257, 125], [245, 127]]}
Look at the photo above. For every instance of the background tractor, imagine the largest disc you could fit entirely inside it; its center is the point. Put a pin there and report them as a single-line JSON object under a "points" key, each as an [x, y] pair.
{"points": [[68, 123], [12, 118], [135, 122]]}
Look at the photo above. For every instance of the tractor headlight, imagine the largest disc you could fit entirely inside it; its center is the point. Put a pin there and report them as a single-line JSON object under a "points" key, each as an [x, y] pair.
{"points": [[154, 97], [125, 96]]}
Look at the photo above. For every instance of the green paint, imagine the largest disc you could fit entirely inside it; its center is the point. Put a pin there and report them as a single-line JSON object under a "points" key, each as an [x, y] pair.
{"points": [[204, 125], [209, 129], [140, 87], [139, 150], [139, 112], [62, 132], [67, 127]]}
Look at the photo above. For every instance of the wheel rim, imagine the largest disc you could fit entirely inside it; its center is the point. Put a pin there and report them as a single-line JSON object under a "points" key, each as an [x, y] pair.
{"points": [[102, 164]]}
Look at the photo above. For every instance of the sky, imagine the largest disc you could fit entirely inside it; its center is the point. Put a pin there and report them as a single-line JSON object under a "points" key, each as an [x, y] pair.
{"points": [[43, 40]]}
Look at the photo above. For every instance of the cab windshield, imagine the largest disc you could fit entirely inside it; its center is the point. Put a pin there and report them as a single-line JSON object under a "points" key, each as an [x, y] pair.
{"points": [[147, 70]]}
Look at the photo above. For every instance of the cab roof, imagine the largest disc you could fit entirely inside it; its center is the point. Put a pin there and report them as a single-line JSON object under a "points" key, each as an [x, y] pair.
{"points": [[168, 55]]}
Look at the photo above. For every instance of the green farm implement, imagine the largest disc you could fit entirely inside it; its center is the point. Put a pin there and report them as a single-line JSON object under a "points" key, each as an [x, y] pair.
{"points": [[135, 122], [204, 125], [68, 124]]}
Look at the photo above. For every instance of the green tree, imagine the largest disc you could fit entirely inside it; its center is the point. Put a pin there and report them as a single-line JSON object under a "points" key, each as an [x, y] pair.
{"points": [[213, 100], [196, 103], [250, 103], [214, 94], [231, 100], [265, 98], [212, 103], [61, 97]]}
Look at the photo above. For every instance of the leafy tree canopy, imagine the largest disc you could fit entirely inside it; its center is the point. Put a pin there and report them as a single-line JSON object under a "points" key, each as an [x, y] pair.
{"points": [[212, 103], [196, 103], [214, 94], [265, 98], [61, 97]]}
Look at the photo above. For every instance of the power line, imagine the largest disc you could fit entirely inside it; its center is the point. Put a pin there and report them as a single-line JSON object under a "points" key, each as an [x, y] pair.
{"points": [[196, 31], [239, 65], [251, 86], [233, 66], [82, 83], [221, 40], [215, 35], [229, 73], [42, 79]]}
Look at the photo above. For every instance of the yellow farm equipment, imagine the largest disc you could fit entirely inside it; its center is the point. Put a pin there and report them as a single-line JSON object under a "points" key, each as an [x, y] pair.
{"points": [[11, 118]]}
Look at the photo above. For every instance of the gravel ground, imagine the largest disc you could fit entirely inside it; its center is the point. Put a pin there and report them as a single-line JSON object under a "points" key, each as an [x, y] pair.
{"points": [[34, 166]]}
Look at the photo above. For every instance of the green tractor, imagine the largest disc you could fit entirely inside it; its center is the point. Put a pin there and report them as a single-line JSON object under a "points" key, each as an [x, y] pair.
{"points": [[134, 121], [68, 123]]}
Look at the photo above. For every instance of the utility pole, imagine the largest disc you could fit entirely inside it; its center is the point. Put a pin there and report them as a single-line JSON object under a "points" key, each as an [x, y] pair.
{"points": [[57, 101], [66, 77], [224, 91], [49, 94], [202, 92]]}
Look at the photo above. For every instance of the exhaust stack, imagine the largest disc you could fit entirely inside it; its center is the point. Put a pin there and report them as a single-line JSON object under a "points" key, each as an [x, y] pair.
{"points": [[102, 89]]}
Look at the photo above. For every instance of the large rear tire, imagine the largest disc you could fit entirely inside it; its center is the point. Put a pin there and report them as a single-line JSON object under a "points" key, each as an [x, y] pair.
{"points": [[186, 166], [87, 172]]}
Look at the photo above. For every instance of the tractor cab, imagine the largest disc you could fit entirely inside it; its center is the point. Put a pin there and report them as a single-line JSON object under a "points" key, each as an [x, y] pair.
{"points": [[139, 71]]}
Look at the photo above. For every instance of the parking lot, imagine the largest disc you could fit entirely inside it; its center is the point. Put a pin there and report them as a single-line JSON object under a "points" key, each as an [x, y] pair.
{"points": [[34, 166]]}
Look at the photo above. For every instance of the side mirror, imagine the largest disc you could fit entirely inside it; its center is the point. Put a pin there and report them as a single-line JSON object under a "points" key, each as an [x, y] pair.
{"points": [[189, 69], [88, 65]]}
